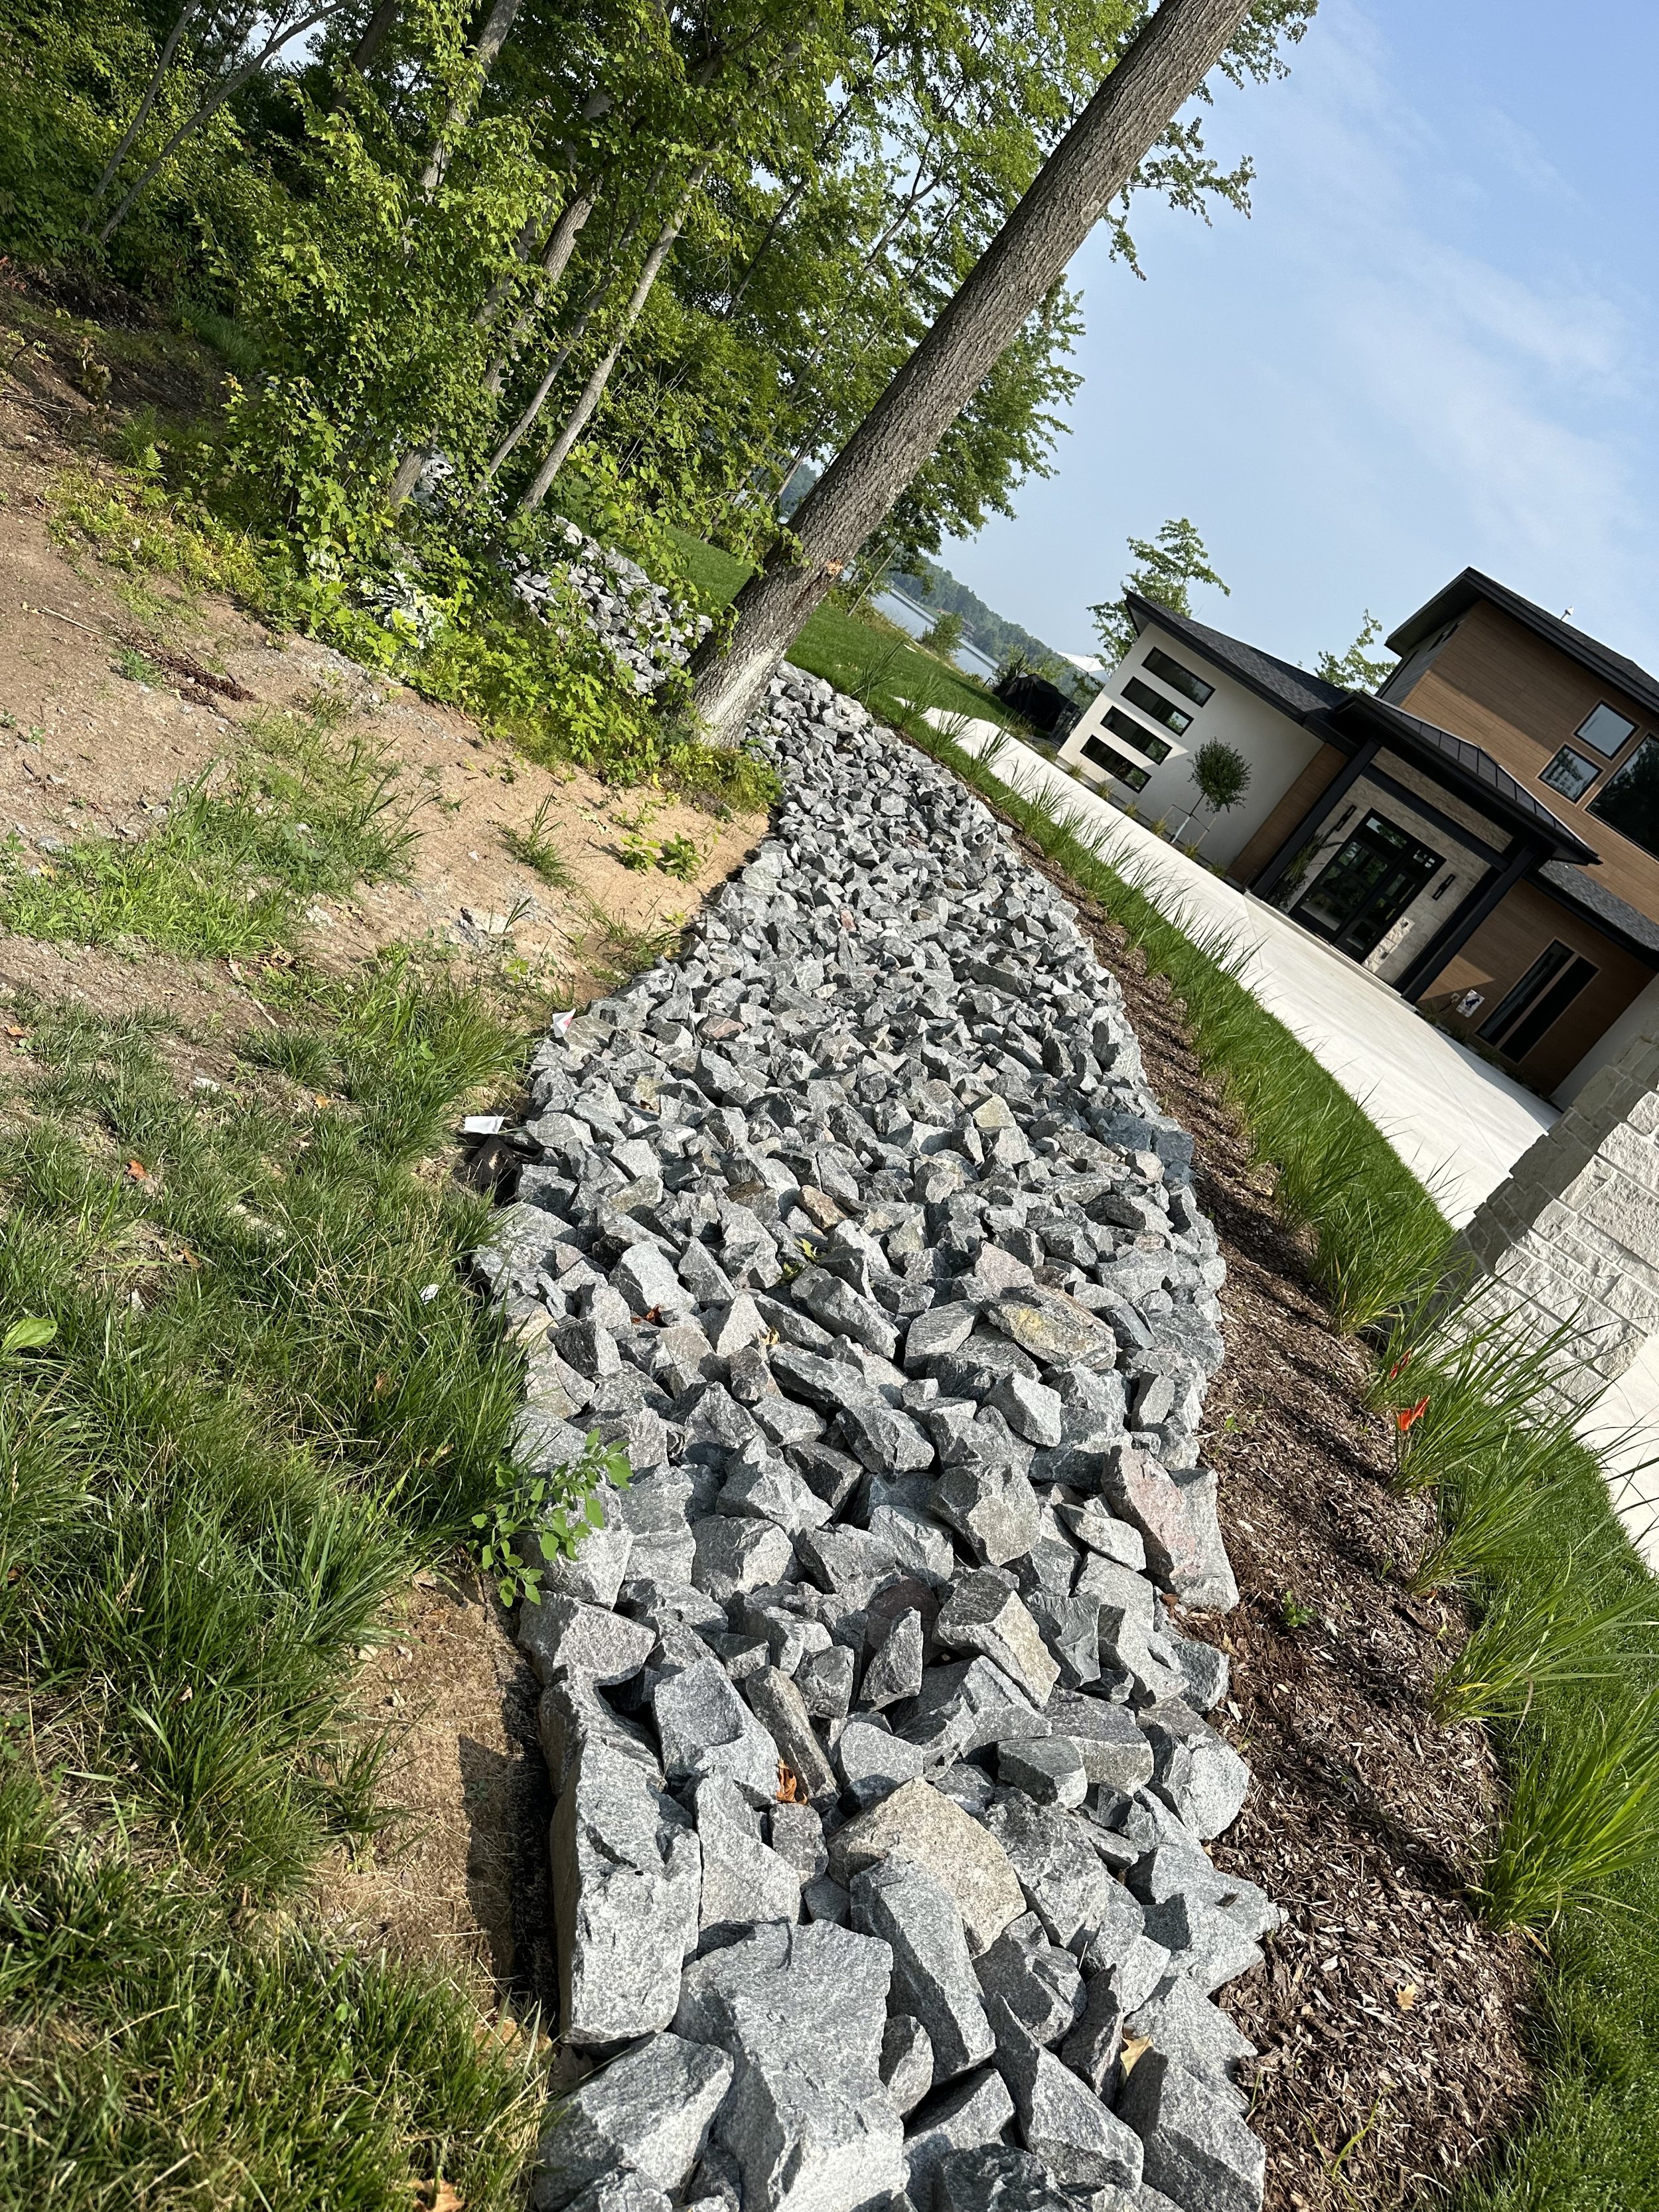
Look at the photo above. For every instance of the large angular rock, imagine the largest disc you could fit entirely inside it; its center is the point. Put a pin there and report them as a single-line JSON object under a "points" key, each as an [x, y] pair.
{"points": [[963, 1708], [646, 1279], [1082, 2144], [1039, 1982], [778, 1705], [588, 1639], [1186, 2026], [595, 1574], [873, 1762], [1048, 1769], [648, 2113], [743, 1880], [1084, 1911], [1052, 1328], [917, 1823], [772, 1492], [975, 2114], [617, 2192], [734, 1554], [992, 1507], [892, 1667], [835, 1306], [1094, 2047], [882, 1437], [1111, 1745], [627, 1878], [705, 1728], [916, 1916], [1196, 1773], [907, 2060], [803, 2011], [1175, 1515], [983, 1615], [1197, 2148]]}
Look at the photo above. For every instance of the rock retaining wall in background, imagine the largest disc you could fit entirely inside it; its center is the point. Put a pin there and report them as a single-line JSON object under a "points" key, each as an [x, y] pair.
{"points": [[883, 1783]]}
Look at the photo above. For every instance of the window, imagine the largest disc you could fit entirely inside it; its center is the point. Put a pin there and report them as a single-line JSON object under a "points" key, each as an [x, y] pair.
{"points": [[1548, 966], [1570, 774], [1115, 763], [1604, 729], [1155, 704], [1158, 663], [1137, 734], [1629, 800], [1540, 998], [1401, 677]]}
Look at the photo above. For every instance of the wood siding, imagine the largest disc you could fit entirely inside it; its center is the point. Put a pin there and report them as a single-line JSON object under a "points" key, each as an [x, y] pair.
{"points": [[1499, 954], [1319, 773], [1519, 698]]}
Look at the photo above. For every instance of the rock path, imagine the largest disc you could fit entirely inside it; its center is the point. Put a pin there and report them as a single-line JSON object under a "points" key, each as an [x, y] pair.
{"points": [[882, 1771]]}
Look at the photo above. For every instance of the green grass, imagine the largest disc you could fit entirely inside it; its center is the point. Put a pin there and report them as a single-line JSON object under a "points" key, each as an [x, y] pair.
{"points": [[300, 813], [1564, 1662], [865, 656], [268, 1398]]}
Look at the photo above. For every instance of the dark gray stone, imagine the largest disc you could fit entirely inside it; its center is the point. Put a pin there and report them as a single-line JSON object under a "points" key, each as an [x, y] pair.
{"points": [[1039, 1982], [983, 1615], [1198, 2149], [587, 1640], [648, 2113], [1048, 1769], [705, 1728], [976, 2114], [916, 1916], [907, 2060], [1084, 1911]]}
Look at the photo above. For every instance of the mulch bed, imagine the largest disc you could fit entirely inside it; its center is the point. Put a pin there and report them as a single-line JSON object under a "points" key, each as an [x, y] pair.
{"points": [[1388, 2017]]}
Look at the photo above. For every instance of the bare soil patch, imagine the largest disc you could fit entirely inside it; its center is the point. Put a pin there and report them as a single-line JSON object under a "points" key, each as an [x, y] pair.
{"points": [[90, 753], [459, 1877], [1389, 2019]]}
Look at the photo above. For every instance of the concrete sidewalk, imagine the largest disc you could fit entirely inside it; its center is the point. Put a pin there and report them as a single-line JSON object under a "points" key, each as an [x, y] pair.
{"points": [[1458, 1122]]}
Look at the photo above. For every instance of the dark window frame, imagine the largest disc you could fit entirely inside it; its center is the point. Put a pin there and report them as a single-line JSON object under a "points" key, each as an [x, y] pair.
{"points": [[1621, 781], [1180, 679], [1157, 748], [1553, 961], [1175, 718], [1573, 792], [1102, 756], [1608, 752]]}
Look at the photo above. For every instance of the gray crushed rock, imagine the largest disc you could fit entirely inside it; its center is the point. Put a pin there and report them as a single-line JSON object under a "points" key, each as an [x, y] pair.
{"points": [[883, 1777]]}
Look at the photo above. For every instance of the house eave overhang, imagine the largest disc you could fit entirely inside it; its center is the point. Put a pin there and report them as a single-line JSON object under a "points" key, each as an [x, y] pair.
{"points": [[1361, 717], [1467, 590]]}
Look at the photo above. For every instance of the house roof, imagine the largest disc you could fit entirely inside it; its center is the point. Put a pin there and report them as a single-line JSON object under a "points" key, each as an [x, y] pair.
{"points": [[1602, 906], [1461, 593], [1339, 713], [1469, 765], [1282, 685]]}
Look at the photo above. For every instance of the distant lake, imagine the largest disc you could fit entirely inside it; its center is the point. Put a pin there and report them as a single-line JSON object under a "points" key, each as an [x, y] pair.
{"points": [[918, 620]]}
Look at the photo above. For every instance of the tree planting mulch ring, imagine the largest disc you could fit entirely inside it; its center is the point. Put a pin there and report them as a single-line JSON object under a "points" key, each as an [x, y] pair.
{"points": [[1388, 2016]]}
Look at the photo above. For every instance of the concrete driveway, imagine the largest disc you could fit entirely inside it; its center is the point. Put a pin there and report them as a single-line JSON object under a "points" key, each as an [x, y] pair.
{"points": [[1458, 1122]]}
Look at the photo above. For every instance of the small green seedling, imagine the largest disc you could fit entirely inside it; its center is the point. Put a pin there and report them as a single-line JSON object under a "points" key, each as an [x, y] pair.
{"points": [[1294, 1613], [547, 1513], [680, 857]]}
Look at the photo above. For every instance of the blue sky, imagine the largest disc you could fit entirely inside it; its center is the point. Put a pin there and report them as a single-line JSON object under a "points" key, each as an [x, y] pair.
{"points": [[1432, 344]]}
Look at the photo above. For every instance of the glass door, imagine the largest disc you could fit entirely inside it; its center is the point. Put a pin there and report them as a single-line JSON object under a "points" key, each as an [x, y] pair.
{"points": [[1355, 900]]}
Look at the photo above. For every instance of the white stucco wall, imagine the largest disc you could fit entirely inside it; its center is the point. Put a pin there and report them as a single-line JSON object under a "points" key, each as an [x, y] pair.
{"points": [[1276, 748]]}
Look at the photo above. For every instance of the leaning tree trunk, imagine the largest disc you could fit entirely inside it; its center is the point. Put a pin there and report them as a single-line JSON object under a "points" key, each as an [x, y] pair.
{"points": [[593, 391], [1091, 166]]}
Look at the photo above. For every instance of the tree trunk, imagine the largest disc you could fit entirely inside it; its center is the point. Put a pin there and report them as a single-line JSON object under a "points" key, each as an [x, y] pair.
{"points": [[594, 390], [210, 107], [1093, 164], [190, 8], [555, 261], [368, 45], [491, 40]]}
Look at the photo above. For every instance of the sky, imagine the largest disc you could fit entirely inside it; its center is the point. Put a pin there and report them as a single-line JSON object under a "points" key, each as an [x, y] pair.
{"points": [[1433, 345]]}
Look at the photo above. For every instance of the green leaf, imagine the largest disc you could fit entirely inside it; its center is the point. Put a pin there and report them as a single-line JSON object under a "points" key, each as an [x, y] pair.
{"points": [[28, 1334]]}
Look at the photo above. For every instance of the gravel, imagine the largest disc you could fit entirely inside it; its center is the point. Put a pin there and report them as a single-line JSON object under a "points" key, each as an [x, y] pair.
{"points": [[857, 1228]]}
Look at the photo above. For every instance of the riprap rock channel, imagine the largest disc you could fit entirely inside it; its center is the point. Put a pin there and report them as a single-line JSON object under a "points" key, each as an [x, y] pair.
{"points": [[882, 1771]]}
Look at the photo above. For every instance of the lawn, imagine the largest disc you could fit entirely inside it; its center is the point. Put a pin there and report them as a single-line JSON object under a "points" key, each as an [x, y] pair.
{"points": [[862, 654]]}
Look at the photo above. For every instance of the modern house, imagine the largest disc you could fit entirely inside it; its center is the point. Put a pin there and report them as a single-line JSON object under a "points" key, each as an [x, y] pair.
{"points": [[1482, 835]]}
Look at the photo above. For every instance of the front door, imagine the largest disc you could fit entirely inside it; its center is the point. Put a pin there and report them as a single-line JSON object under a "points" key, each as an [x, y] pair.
{"points": [[1358, 896]]}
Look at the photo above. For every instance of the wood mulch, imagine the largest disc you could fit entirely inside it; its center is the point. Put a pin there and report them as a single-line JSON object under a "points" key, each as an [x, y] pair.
{"points": [[1388, 2017]]}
